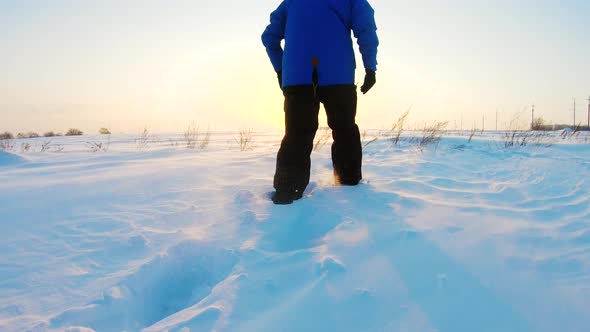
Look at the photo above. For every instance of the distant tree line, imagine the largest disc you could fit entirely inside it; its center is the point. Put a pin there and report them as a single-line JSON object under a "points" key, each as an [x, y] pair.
{"points": [[71, 132]]}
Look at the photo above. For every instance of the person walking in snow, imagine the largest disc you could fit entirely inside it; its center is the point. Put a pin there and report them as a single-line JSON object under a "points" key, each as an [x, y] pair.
{"points": [[317, 66]]}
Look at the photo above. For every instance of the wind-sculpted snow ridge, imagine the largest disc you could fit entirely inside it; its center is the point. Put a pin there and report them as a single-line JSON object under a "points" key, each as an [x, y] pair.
{"points": [[162, 287], [467, 236], [9, 159]]}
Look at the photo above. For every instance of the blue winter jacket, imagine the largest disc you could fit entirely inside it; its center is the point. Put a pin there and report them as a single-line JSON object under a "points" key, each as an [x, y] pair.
{"points": [[321, 29]]}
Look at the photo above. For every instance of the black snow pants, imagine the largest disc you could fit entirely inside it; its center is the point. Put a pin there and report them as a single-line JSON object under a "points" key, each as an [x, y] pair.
{"points": [[302, 106]]}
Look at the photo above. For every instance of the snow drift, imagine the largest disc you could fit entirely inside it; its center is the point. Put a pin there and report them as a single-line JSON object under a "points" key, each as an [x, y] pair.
{"points": [[10, 159]]}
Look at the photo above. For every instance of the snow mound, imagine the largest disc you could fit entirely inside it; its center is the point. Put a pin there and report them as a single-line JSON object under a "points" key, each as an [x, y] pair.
{"points": [[9, 159]]}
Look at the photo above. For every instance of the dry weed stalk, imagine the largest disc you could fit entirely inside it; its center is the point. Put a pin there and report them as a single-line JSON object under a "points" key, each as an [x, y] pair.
{"points": [[370, 142], [245, 140], [322, 139], [432, 134], [191, 136], [142, 141], [25, 147], [471, 134], [206, 139], [99, 146], [398, 127], [7, 145], [515, 137], [45, 146]]}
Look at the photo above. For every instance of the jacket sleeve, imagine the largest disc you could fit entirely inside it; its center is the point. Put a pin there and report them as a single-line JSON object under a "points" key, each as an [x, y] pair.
{"points": [[274, 34], [365, 30]]}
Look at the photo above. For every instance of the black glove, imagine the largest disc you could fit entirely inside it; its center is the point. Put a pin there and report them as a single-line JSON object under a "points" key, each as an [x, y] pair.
{"points": [[280, 77], [370, 80]]}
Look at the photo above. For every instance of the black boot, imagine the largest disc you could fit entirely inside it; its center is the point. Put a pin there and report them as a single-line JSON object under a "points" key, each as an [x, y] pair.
{"points": [[347, 178], [285, 197]]}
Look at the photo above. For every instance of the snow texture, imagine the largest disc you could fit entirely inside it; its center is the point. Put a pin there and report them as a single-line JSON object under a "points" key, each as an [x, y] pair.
{"points": [[10, 159], [464, 236]]}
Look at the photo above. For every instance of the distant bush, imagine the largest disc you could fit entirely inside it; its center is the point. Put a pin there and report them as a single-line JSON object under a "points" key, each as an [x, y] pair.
{"points": [[104, 131], [6, 141], [538, 124], [27, 135], [49, 134], [6, 135], [74, 132]]}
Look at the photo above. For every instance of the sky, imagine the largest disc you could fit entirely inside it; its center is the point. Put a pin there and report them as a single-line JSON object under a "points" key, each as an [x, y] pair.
{"points": [[164, 64]]}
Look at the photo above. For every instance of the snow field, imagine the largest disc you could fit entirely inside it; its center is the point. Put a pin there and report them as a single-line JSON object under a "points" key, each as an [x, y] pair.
{"points": [[464, 237]]}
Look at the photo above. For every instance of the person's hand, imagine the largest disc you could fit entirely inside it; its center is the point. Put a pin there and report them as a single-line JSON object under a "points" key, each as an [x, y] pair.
{"points": [[280, 77], [370, 81]]}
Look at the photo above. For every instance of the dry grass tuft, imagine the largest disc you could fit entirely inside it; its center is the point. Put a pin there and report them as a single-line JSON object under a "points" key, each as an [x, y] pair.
{"points": [[192, 137], [99, 146], [104, 131], [74, 132], [7, 145], [245, 140], [432, 134], [143, 139], [398, 127]]}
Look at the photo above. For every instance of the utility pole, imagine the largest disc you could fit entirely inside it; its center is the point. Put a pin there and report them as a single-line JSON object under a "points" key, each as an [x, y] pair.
{"points": [[483, 123], [588, 113], [461, 121], [574, 128], [533, 117], [497, 117]]}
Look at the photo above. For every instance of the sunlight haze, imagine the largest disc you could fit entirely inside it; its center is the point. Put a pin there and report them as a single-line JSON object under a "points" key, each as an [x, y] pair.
{"points": [[163, 64]]}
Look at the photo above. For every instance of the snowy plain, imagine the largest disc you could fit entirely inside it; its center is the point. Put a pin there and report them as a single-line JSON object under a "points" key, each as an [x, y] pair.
{"points": [[152, 236]]}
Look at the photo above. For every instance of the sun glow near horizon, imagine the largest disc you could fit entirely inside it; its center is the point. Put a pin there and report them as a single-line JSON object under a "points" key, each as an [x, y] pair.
{"points": [[165, 64]]}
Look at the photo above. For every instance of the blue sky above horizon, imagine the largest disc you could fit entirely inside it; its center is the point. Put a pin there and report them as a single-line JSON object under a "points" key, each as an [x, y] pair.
{"points": [[163, 64]]}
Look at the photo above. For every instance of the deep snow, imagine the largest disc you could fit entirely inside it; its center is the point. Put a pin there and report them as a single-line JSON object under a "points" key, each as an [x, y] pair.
{"points": [[469, 236]]}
